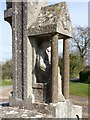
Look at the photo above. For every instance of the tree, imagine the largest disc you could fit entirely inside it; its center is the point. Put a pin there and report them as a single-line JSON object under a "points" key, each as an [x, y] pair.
{"points": [[7, 70], [80, 41], [75, 65]]}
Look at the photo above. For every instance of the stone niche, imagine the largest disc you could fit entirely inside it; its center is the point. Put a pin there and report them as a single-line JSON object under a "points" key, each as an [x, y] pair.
{"points": [[37, 84], [41, 75], [52, 20]]}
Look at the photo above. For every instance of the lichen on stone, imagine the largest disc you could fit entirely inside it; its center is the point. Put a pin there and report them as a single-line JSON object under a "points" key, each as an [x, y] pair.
{"points": [[56, 17]]}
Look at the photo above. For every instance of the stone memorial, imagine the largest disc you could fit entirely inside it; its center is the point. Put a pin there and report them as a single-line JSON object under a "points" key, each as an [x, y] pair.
{"points": [[37, 83]]}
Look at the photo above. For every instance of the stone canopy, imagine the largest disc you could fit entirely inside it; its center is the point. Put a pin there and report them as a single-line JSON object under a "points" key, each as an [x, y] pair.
{"points": [[51, 20]]}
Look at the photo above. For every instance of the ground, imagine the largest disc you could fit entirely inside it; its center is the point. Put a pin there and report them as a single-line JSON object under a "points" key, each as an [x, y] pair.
{"points": [[5, 90], [82, 101]]}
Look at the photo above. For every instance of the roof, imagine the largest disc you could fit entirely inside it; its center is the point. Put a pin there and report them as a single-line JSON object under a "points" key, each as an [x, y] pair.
{"points": [[52, 19]]}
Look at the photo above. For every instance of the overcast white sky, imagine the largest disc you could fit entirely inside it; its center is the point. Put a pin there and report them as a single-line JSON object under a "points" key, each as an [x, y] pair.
{"points": [[78, 13]]}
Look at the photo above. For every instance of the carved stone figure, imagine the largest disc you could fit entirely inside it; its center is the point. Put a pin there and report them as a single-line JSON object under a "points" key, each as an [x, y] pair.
{"points": [[43, 64]]}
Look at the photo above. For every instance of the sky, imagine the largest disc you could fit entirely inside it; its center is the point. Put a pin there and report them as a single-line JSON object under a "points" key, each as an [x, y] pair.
{"points": [[78, 13]]}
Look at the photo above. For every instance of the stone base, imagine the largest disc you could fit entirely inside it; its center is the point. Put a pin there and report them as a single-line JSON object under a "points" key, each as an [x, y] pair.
{"points": [[54, 110], [66, 110]]}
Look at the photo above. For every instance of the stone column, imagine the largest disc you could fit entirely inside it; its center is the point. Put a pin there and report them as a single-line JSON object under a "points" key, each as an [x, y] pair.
{"points": [[54, 59], [65, 81], [17, 44]]}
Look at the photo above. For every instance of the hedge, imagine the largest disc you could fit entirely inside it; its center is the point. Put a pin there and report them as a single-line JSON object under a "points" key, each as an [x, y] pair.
{"points": [[85, 76]]}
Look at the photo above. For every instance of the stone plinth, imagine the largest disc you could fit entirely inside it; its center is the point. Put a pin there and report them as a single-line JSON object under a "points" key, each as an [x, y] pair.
{"points": [[39, 91], [66, 110], [54, 110]]}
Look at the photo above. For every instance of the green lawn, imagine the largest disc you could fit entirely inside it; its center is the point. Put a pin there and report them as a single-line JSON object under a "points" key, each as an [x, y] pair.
{"points": [[79, 89], [76, 88], [5, 82]]}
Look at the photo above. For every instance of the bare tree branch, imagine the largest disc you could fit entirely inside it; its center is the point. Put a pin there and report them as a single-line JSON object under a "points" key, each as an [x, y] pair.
{"points": [[80, 40]]}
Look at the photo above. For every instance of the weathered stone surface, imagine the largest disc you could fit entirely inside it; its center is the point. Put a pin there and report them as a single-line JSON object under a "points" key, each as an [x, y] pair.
{"points": [[65, 81], [33, 10], [54, 68], [30, 13], [76, 112], [52, 19], [8, 12], [36, 110], [8, 15], [66, 110], [8, 4], [39, 92], [16, 113], [17, 43]]}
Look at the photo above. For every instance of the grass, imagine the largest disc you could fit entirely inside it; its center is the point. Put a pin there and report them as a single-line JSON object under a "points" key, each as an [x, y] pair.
{"points": [[76, 88], [5, 82], [79, 89]]}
